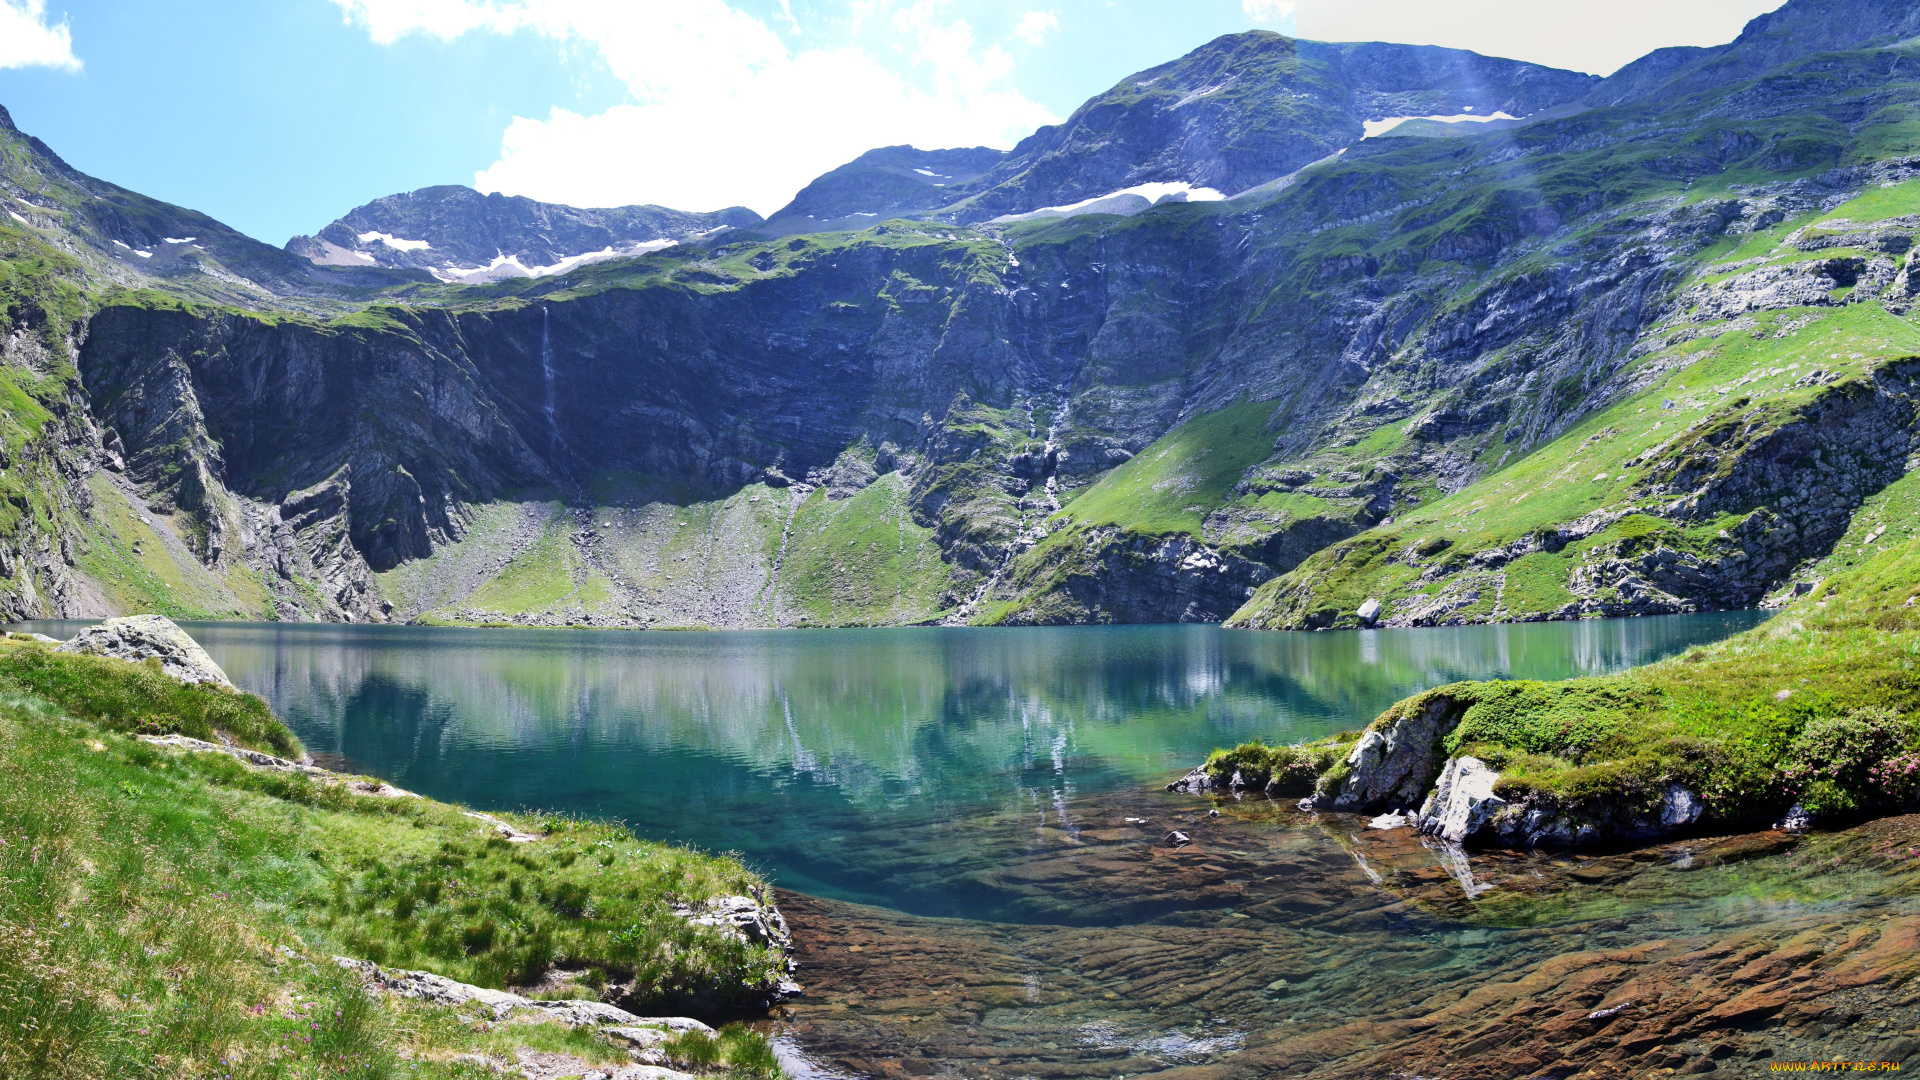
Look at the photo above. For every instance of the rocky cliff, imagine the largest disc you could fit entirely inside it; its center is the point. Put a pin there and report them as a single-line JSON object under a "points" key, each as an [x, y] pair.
{"points": [[1640, 354]]}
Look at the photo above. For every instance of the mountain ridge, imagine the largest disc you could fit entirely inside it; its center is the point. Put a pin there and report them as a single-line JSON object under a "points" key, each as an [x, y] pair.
{"points": [[1192, 412]]}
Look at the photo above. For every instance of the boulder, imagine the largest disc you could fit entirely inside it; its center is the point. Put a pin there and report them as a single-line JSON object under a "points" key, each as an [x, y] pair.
{"points": [[1197, 782], [1463, 802], [150, 637], [1369, 611], [1679, 808], [1397, 758]]}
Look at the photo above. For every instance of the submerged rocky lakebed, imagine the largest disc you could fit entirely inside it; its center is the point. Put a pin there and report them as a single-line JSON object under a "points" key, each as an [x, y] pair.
{"points": [[969, 834]]}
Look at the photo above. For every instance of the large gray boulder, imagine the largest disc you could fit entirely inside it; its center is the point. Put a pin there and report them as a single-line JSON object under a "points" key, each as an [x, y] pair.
{"points": [[1463, 802], [150, 637], [1396, 759]]}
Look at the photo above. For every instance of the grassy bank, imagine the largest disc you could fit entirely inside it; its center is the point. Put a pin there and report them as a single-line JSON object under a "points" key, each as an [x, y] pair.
{"points": [[169, 914], [1817, 707]]}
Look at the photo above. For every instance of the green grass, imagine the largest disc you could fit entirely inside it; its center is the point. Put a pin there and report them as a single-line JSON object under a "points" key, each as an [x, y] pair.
{"points": [[173, 915], [549, 574], [862, 561], [1738, 382], [1172, 485], [123, 696], [1811, 707], [1879, 204]]}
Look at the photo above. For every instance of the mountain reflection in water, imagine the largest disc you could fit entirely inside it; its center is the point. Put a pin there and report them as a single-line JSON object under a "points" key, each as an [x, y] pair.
{"points": [[967, 828]]}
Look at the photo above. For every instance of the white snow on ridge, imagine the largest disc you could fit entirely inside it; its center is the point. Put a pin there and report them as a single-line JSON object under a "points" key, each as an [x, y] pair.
{"points": [[185, 240], [122, 243], [21, 220], [1376, 128], [930, 172], [1154, 193], [510, 266], [394, 242]]}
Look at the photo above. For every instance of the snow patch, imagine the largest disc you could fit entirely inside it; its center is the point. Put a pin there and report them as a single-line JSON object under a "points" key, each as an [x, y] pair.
{"points": [[1154, 193], [1376, 128], [184, 240], [930, 172], [18, 218], [143, 254], [393, 242], [121, 243], [510, 266]]}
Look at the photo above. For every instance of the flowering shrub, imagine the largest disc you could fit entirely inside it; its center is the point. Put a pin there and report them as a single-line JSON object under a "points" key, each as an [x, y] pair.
{"points": [[1844, 765]]}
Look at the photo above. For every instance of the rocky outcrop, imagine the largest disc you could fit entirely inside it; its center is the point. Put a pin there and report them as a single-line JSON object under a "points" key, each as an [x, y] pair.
{"points": [[751, 920], [1115, 576], [150, 637], [1462, 803], [1395, 760], [440, 990]]}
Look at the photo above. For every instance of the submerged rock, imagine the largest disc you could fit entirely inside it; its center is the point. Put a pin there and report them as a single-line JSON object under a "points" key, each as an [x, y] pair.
{"points": [[1463, 802], [150, 637]]}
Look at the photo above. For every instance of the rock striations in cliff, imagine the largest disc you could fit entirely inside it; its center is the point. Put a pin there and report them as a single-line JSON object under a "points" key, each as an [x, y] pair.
{"points": [[1269, 333]]}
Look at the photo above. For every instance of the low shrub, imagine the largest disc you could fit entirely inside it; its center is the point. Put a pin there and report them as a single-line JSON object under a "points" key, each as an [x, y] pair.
{"points": [[1842, 766]]}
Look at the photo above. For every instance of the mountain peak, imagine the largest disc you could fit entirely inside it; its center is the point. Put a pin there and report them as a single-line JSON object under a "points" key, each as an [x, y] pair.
{"points": [[459, 234]]}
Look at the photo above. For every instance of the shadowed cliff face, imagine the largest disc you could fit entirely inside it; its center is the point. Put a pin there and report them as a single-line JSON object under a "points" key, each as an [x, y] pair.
{"points": [[1098, 418]]}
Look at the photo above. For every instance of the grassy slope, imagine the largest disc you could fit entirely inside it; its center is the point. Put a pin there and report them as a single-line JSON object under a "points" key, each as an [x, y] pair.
{"points": [[862, 561], [171, 915], [1754, 724], [1745, 368], [1171, 485], [140, 568]]}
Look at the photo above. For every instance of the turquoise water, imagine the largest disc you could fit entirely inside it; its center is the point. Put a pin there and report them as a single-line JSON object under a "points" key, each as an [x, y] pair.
{"points": [[969, 824], [810, 752]]}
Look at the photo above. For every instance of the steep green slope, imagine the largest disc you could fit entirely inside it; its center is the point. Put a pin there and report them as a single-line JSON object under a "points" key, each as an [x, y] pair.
{"points": [[1676, 494]]}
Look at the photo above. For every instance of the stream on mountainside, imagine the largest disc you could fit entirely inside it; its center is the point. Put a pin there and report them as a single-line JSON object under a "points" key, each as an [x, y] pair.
{"points": [[967, 829]]}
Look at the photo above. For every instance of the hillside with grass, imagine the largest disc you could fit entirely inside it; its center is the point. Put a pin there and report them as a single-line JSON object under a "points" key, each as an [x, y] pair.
{"points": [[1806, 720], [172, 912], [1641, 350]]}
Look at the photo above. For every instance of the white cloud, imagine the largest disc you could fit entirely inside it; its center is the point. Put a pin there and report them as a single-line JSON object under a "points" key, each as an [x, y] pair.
{"points": [[1268, 11], [723, 113], [26, 40], [1035, 26], [1582, 37]]}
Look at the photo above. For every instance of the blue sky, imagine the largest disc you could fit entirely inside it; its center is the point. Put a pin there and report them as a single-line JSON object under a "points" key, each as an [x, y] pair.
{"points": [[278, 116]]}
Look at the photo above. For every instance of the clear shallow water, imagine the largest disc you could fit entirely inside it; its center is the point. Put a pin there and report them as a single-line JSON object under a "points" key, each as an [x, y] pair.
{"points": [[812, 752]]}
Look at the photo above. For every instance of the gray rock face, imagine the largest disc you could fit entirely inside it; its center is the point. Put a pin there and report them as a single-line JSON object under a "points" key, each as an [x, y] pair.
{"points": [[440, 990], [746, 917], [1197, 782], [150, 637], [1394, 762], [1462, 803]]}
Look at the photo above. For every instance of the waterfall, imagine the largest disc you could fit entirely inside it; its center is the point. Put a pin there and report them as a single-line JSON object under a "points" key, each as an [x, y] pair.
{"points": [[555, 444]]}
